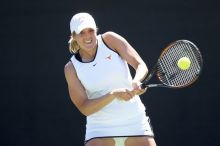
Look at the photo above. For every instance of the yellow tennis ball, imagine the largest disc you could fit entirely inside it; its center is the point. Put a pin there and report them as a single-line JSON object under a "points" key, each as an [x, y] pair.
{"points": [[184, 63]]}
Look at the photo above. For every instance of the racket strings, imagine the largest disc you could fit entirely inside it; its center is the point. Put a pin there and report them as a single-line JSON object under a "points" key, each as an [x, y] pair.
{"points": [[167, 67], [168, 71]]}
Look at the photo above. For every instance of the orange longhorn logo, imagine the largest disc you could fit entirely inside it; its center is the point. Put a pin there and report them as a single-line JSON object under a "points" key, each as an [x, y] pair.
{"points": [[109, 57]]}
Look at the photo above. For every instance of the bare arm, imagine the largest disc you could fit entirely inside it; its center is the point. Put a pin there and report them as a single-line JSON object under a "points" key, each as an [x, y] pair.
{"points": [[128, 53], [79, 97]]}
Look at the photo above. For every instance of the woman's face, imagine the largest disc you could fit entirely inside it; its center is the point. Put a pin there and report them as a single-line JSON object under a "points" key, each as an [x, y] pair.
{"points": [[86, 39]]}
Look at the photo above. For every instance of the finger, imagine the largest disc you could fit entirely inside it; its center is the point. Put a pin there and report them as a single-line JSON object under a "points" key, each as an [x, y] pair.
{"points": [[130, 93], [139, 91]]}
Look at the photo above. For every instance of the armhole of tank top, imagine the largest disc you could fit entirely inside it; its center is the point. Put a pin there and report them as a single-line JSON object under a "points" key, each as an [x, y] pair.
{"points": [[73, 67], [108, 46], [72, 63]]}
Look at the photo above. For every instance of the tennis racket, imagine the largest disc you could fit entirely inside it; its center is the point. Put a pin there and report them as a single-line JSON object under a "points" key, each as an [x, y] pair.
{"points": [[167, 70]]}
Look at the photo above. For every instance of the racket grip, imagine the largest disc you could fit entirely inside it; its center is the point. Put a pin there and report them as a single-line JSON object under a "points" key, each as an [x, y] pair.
{"points": [[143, 86]]}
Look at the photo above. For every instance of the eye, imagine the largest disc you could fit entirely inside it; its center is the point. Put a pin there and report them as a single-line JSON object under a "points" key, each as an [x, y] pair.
{"points": [[82, 32], [91, 30]]}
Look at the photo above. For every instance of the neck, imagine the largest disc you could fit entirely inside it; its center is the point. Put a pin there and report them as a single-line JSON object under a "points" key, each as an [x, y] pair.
{"points": [[88, 56]]}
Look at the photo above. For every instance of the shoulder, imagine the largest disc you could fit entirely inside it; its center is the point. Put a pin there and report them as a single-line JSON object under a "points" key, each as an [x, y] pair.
{"points": [[110, 35], [68, 65], [69, 68], [113, 40]]}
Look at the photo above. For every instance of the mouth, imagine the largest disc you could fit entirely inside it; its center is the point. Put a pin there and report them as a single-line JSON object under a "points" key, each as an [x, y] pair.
{"points": [[88, 41]]}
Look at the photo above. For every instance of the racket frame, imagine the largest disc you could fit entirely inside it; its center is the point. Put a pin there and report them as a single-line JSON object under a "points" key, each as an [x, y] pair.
{"points": [[154, 69]]}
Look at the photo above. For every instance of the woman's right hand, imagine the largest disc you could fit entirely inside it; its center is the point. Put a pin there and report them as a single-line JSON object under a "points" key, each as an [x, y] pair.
{"points": [[123, 94]]}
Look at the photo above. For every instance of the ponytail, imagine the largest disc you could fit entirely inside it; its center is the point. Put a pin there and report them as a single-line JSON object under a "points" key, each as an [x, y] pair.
{"points": [[73, 45]]}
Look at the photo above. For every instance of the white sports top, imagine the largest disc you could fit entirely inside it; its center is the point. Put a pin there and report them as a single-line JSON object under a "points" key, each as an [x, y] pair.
{"points": [[106, 72]]}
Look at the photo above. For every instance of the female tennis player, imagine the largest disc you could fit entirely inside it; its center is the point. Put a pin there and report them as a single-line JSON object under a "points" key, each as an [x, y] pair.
{"points": [[102, 88]]}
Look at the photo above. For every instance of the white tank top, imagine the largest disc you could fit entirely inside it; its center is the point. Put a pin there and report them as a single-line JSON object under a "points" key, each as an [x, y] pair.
{"points": [[106, 72]]}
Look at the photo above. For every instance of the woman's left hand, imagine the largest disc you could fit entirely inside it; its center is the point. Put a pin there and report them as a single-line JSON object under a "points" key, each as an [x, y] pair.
{"points": [[137, 88]]}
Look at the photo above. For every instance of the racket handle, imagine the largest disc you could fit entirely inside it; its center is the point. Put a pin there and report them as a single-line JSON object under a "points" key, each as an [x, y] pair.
{"points": [[143, 86]]}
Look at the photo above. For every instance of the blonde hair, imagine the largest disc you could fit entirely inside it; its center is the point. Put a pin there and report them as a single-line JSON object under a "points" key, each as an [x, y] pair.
{"points": [[73, 45]]}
